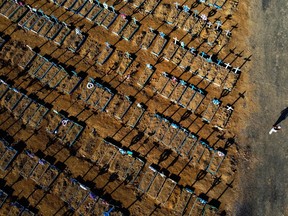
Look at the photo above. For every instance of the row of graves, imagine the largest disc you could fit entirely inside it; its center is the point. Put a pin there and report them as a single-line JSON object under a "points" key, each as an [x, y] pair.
{"points": [[48, 177], [148, 178], [103, 15], [31, 113], [43, 25], [12, 208]]}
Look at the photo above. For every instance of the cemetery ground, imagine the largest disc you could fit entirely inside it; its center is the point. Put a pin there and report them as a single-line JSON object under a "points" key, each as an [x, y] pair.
{"points": [[133, 109]]}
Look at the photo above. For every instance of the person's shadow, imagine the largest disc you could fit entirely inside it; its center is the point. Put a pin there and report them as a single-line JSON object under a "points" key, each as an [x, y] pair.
{"points": [[283, 116]]}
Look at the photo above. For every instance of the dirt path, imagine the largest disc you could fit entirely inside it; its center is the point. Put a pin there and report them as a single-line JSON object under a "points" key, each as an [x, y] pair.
{"points": [[264, 184]]}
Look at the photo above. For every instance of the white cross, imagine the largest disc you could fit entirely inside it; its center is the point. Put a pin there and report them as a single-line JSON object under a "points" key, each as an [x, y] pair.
{"points": [[78, 32], [236, 70], [177, 4], [209, 24], [175, 40], [227, 65], [203, 17], [228, 33], [151, 29], [229, 108], [218, 23]]}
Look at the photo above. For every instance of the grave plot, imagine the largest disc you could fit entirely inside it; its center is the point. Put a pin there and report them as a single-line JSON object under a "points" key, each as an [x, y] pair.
{"points": [[15, 209], [166, 190], [210, 210], [32, 20], [48, 177], [216, 161], [59, 2], [7, 157], [27, 164], [69, 190], [107, 154], [189, 24], [27, 57], [66, 130], [27, 212], [85, 9], [125, 62], [93, 12], [137, 3], [62, 34], [178, 91], [41, 167], [188, 59], [90, 146], [75, 40], [188, 146], [161, 41], [121, 163], [36, 65], [136, 113], [163, 80], [172, 48], [150, 5], [179, 55], [79, 196], [3, 88], [198, 206], [105, 53], [231, 79], [11, 98], [187, 96], [119, 106], [148, 38], [28, 16], [105, 99], [156, 185], [170, 134], [120, 24], [78, 6], [3, 197], [6, 8], [202, 153], [154, 122], [23, 104], [36, 119], [96, 94], [183, 200], [87, 89], [51, 23], [134, 170], [172, 16], [57, 78], [178, 139], [29, 112], [146, 75], [130, 29], [70, 82], [169, 87], [102, 207], [211, 110], [88, 204], [197, 100], [39, 23], [222, 73], [50, 74], [212, 35], [68, 4], [41, 71], [147, 179], [54, 30], [18, 13], [103, 14], [161, 128], [110, 18], [222, 116], [212, 73], [183, 16], [202, 66]]}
